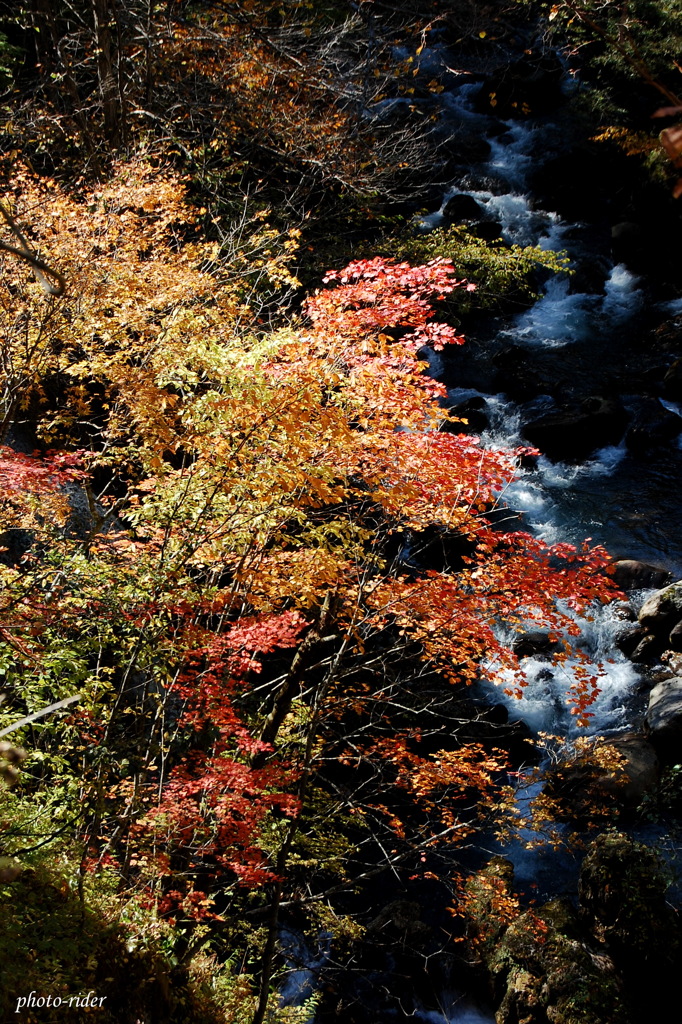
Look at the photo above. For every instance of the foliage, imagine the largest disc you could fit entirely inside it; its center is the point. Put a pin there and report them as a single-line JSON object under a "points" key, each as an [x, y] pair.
{"points": [[627, 56], [9, 55], [66, 932], [637, 41], [538, 960], [580, 784], [211, 532], [275, 101], [214, 512], [502, 272]]}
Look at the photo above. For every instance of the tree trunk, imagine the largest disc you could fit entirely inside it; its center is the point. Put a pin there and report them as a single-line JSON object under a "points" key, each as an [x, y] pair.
{"points": [[108, 85]]}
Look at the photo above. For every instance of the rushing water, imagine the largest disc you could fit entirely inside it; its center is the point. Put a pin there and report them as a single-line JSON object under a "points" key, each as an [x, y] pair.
{"points": [[558, 501], [611, 497]]}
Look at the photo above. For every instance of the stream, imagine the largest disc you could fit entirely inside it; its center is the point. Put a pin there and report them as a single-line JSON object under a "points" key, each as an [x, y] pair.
{"points": [[579, 342]]}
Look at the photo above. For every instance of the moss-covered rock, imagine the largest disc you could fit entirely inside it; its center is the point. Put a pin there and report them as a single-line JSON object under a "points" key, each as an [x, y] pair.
{"points": [[622, 894], [662, 610], [598, 780], [541, 968], [623, 903]]}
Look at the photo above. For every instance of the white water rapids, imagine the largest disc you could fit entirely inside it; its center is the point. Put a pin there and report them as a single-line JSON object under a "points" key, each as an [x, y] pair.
{"points": [[558, 318]]}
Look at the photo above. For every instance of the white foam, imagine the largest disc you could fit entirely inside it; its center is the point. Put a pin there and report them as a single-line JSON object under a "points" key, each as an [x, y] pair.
{"points": [[545, 704], [674, 306], [557, 319], [455, 1009], [512, 154], [521, 225], [623, 296]]}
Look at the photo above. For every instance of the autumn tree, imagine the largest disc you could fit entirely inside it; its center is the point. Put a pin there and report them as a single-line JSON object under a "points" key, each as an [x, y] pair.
{"points": [[220, 530], [628, 54], [279, 96]]}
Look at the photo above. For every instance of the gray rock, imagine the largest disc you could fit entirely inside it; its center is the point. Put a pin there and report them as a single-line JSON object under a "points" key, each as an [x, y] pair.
{"points": [[544, 972], [589, 784], [622, 896], [663, 719], [631, 574], [663, 610], [622, 892], [533, 643], [629, 638], [641, 768], [462, 208], [675, 638], [648, 650], [674, 662]]}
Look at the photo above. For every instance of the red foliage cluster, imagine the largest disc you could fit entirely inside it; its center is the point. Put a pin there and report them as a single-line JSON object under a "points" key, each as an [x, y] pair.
{"points": [[33, 473], [333, 450], [380, 296]]}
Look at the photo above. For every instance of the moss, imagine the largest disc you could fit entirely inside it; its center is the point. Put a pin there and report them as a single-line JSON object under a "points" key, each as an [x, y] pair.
{"points": [[540, 966], [506, 276], [622, 891]]}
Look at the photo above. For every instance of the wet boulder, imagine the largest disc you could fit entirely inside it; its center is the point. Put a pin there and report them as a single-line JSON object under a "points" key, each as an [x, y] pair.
{"points": [[631, 574], [540, 967], [572, 433], [461, 209], [628, 638], [648, 650], [534, 643], [663, 720], [602, 777], [474, 411], [652, 425], [640, 768], [486, 182], [465, 147], [675, 638], [622, 896], [663, 610], [673, 663], [491, 726]]}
